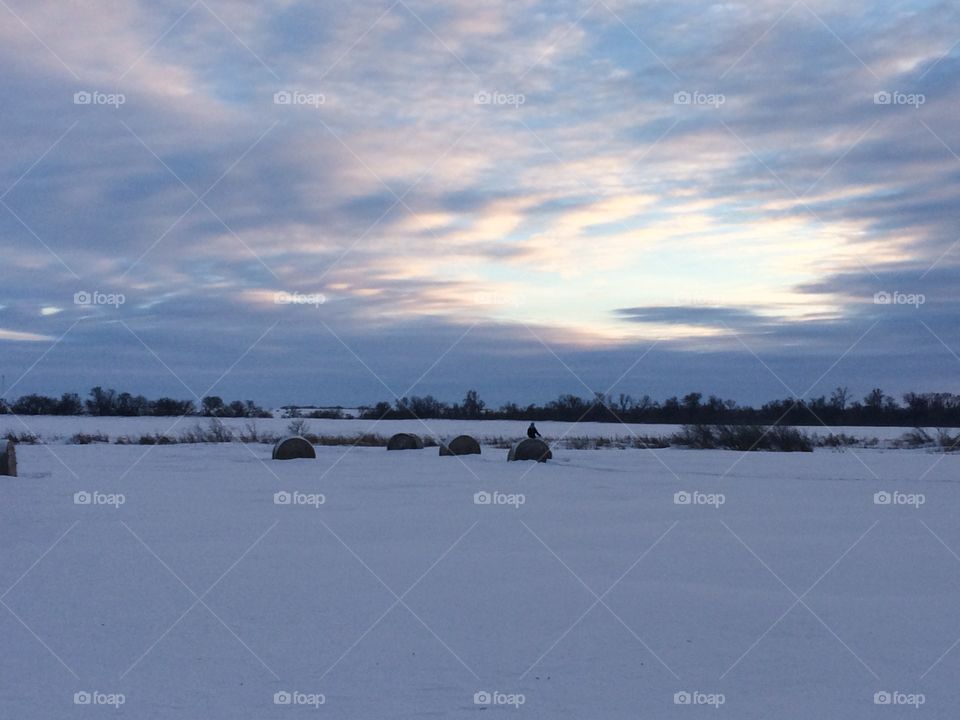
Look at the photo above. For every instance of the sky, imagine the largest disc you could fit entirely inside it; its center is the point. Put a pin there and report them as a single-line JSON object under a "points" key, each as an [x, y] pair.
{"points": [[340, 203]]}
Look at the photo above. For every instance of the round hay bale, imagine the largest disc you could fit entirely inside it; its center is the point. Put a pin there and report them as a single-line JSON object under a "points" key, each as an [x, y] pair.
{"points": [[461, 445], [405, 441], [292, 448], [530, 449]]}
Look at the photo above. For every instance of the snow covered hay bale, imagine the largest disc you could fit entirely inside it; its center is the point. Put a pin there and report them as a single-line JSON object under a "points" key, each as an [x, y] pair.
{"points": [[530, 449], [293, 447], [405, 441], [461, 445], [8, 460]]}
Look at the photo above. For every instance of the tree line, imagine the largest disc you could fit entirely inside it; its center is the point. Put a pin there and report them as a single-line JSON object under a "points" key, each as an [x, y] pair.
{"points": [[839, 408], [108, 402]]}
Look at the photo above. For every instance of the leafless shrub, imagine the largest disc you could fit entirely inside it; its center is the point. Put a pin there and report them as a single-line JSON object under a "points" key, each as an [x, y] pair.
{"points": [[24, 438], [916, 438], [299, 426], [88, 438]]}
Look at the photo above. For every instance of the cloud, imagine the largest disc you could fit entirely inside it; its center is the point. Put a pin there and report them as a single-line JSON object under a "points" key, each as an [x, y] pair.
{"points": [[772, 216], [15, 336], [705, 316]]}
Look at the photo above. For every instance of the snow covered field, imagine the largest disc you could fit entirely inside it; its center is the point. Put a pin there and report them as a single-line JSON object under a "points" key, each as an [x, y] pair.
{"points": [[585, 588], [63, 427]]}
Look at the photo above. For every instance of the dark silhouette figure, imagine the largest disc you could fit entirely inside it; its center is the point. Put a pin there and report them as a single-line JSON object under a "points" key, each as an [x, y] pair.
{"points": [[532, 432]]}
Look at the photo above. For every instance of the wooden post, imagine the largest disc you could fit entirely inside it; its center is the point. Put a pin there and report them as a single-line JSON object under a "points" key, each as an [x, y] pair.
{"points": [[8, 460]]}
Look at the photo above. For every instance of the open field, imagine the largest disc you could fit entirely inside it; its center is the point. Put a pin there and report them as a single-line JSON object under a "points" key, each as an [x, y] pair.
{"points": [[62, 428], [583, 589]]}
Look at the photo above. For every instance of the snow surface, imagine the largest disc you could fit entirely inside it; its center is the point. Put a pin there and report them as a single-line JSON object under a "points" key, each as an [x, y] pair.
{"points": [[399, 597], [62, 427]]}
